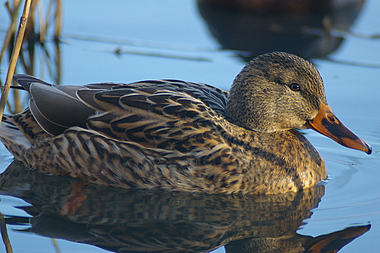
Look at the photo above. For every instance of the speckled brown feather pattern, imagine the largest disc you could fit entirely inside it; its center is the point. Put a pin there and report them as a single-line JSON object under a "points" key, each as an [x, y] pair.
{"points": [[224, 170], [176, 135]]}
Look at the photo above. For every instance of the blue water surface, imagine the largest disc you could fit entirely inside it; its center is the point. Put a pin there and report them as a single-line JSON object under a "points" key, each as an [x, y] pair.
{"points": [[169, 39]]}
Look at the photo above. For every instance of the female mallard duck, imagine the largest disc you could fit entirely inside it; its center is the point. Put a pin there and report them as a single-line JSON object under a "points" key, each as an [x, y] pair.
{"points": [[178, 135]]}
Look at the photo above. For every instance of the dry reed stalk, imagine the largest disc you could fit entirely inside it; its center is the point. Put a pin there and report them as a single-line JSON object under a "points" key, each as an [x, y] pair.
{"points": [[4, 234], [14, 56]]}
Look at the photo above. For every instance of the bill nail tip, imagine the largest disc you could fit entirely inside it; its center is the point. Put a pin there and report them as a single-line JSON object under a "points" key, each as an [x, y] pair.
{"points": [[369, 149]]}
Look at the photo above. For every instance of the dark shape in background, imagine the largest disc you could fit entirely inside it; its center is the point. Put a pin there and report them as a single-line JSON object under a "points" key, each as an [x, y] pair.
{"points": [[123, 220], [307, 28]]}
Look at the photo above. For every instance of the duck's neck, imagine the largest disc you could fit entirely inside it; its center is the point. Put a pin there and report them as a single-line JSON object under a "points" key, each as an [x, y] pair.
{"points": [[281, 143], [259, 125], [282, 156]]}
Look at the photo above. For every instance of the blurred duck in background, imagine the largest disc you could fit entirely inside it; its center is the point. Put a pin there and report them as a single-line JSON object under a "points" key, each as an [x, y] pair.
{"points": [[307, 28]]}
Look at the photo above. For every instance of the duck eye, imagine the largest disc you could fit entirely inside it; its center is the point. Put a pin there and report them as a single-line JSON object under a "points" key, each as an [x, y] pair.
{"points": [[295, 87]]}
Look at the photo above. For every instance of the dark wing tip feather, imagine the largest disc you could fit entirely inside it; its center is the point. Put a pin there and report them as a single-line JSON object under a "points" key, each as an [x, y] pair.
{"points": [[25, 80]]}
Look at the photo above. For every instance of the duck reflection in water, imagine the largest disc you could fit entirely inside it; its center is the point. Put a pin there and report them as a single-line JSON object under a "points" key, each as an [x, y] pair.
{"points": [[308, 28], [122, 220]]}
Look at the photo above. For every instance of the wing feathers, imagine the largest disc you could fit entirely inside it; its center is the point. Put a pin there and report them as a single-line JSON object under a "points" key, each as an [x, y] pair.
{"points": [[159, 113], [152, 116]]}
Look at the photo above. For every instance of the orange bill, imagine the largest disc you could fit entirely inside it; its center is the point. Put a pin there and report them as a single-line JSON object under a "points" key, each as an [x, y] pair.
{"points": [[328, 124]]}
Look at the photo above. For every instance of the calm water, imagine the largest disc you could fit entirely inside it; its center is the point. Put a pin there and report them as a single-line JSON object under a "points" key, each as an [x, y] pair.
{"points": [[171, 39]]}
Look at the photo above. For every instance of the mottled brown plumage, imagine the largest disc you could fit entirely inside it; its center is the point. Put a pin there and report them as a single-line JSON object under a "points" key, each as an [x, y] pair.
{"points": [[184, 136]]}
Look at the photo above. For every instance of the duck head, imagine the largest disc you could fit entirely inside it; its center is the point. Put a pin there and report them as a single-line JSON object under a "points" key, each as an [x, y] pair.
{"points": [[280, 91]]}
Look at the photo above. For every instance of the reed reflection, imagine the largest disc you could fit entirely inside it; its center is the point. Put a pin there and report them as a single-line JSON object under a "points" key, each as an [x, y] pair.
{"points": [[159, 221], [41, 46], [307, 28]]}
